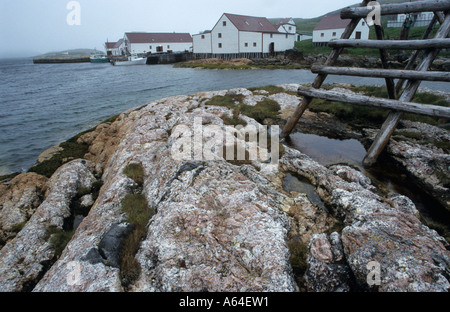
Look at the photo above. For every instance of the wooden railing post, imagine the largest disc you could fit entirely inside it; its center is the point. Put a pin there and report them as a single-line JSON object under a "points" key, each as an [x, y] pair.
{"points": [[320, 78], [383, 136]]}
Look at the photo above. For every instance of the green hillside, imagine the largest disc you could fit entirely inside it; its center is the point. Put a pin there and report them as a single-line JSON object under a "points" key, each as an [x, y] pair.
{"points": [[306, 25]]}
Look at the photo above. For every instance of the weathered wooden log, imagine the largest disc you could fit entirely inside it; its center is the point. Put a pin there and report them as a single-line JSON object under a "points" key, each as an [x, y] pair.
{"points": [[413, 58], [390, 86], [320, 78], [383, 136], [440, 16], [358, 99], [440, 43], [398, 8], [382, 73]]}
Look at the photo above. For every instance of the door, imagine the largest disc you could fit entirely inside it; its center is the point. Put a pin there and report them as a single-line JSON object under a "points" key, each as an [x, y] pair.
{"points": [[358, 35], [272, 47]]}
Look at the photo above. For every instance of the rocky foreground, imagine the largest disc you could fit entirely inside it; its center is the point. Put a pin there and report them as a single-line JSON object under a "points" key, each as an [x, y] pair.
{"points": [[215, 225]]}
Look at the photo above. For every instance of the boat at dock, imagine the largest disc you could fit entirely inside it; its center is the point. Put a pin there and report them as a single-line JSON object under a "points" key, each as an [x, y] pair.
{"points": [[132, 60], [98, 57]]}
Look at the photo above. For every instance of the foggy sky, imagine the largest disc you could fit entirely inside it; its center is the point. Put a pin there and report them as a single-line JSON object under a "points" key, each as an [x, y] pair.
{"points": [[32, 27]]}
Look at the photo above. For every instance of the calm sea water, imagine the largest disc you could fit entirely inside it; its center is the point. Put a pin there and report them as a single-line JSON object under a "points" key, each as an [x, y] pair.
{"points": [[43, 105]]}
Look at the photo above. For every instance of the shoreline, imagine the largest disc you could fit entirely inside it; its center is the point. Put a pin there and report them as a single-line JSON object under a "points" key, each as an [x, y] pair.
{"points": [[61, 60], [47, 154], [127, 161]]}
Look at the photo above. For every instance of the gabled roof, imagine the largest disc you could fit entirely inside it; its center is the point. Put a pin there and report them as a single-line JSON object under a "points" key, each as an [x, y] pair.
{"points": [[283, 21], [118, 44], [110, 45], [251, 23], [332, 22], [135, 37]]}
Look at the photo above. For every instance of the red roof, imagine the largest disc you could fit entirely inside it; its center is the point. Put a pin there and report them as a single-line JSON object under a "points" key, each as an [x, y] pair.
{"points": [[332, 22], [158, 37], [118, 43], [283, 21], [110, 45], [251, 23]]}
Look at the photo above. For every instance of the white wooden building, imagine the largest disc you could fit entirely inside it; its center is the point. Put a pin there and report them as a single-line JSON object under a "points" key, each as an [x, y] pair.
{"points": [[118, 48], [109, 47], [144, 43], [416, 20], [332, 27], [286, 25], [242, 36], [304, 36]]}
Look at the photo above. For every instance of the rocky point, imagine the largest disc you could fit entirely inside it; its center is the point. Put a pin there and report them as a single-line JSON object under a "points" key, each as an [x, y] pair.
{"points": [[216, 225]]}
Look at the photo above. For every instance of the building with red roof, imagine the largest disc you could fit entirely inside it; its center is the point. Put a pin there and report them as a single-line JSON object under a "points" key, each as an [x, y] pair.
{"points": [[144, 43], [332, 27], [240, 34]]}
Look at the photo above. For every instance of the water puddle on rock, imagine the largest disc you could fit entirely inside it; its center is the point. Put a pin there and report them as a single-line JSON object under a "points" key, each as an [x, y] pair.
{"points": [[386, 177], [303, 186], [328, 151]]}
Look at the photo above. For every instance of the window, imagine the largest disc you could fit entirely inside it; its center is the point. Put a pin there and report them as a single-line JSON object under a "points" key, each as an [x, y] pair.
{"points": [[203, 36], [287, 36], [334, 34], [254, 44], [150, 47], [322, 35], [246, 44], [271, 35], [220, 46], [168, 47], [224, 23], [290, 28], [219, 35], [363, 23]]}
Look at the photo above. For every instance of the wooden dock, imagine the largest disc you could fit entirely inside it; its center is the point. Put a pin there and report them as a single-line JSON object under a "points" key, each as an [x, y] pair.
{"points": [[61, 60]]}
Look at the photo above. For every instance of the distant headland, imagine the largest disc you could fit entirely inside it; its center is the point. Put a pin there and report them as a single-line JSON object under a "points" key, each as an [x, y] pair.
{"points": [[67, 56]]}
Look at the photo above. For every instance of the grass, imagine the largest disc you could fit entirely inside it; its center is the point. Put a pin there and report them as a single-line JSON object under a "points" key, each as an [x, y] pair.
{"points": [[267, 108], [307, 48], [71, 150], [135, 172], [59, 239], [372, 115], [138, 214], [136, 208], [262, 110], [235, 120], [9, 176], [18, 227], [271, 89], [236, 67]]}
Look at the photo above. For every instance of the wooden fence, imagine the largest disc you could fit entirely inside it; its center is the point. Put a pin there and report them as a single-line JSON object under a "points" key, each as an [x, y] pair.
{"points": [[400, 95], [231, 56]]}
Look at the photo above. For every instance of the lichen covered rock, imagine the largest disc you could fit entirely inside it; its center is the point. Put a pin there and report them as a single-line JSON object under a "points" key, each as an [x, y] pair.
{"points": [[18, 202], [26, 258]]}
